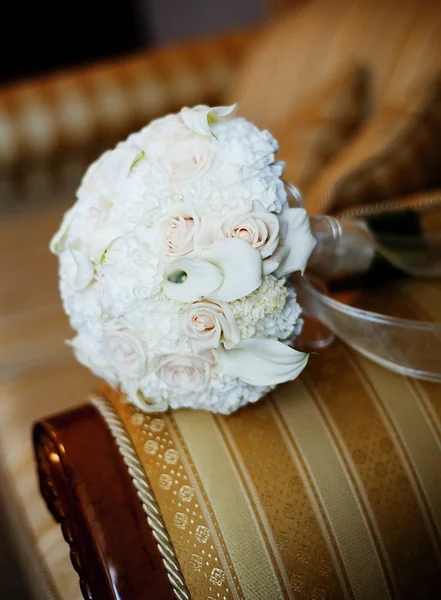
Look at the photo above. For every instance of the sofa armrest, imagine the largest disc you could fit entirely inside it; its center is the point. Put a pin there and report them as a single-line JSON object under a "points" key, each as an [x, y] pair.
{"points": [[111, 544]]}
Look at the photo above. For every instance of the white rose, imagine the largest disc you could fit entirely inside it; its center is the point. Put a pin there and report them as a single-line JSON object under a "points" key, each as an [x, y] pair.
{"points": [[188, 159], [165, 128], [184, 372], [259, 229], [124, 351], [207, 322], [88, 352], [176, 232]]}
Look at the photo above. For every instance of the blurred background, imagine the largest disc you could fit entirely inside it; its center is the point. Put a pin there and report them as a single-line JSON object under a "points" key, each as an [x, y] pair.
{"points": [[47, 37]]}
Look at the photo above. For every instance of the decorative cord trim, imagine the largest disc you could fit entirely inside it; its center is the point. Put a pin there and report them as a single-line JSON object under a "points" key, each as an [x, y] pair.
{"points": [[145, 493]]}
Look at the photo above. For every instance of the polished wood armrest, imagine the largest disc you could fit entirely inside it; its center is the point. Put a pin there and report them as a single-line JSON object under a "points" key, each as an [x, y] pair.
{"points": [[90, 493]]}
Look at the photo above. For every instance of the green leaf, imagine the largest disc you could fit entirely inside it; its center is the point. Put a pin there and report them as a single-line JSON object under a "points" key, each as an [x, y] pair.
{"points": [[137, 160]]}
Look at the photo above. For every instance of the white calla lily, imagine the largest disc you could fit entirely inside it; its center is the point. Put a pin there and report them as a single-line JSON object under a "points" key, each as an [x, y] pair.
{"points": [[241, 266], [100, 240], [58, 242], [262, 362], [296, 237], [111, 170], [81, 272], [200, 118], [190, 279]]}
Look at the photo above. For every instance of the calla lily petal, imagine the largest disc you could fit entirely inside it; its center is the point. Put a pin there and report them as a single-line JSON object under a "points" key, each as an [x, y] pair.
{"points": [[273, 262], [190, 279], [119, 164], [241, 266], [58, 242], [262, 362], [112, 169], [100, 240], [200, 118], [296, 235], [83, 271]]}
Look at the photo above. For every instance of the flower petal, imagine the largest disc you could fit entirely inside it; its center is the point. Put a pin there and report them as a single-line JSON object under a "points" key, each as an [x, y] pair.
{"points": [[100, 240], [111, 170], [262, 362], [273, 262], [220, 112], [297, 237], [83, 271], [118, 165], [190, 279], [58, 242], [241, 266], [200, 118]]}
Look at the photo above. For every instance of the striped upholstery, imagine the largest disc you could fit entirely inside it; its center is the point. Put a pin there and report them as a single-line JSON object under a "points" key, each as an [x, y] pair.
{"points": [[329, 489]]}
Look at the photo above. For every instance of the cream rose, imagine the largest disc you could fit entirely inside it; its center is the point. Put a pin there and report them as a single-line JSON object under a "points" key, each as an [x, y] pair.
{"points": [[184, 373], [167, 128], [124, 351], [207, 323], [188, 159], [259, 229], [176, 232]]}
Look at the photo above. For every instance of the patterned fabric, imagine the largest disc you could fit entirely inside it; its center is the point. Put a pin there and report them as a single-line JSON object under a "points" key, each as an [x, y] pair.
{"points": [[329, 489], [314, 132], [395, 153]]}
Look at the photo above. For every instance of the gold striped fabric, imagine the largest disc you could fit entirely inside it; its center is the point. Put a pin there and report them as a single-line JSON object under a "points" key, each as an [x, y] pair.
{"points": [[329, 489]]}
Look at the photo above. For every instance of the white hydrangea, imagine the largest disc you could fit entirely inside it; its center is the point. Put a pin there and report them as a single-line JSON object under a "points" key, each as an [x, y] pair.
{"points": [[173, 264]]}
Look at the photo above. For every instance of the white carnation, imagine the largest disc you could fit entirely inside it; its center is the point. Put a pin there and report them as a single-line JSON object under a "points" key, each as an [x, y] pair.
{"points": [[164, 262]]}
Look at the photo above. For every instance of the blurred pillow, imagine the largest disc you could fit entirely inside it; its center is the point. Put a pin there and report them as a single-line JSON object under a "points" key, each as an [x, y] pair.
{"points": [[396, 153], [315, 131]]}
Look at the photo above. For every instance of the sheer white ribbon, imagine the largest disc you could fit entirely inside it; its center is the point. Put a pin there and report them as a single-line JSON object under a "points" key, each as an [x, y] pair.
{"points": [[408, 347]]}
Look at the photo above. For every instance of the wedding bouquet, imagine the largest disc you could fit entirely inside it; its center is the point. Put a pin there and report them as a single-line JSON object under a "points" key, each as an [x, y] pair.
{"points": [[174, 262]]}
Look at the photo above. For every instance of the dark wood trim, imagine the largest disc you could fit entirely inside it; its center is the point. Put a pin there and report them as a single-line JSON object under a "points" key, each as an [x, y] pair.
{"points": [[89, 491]]}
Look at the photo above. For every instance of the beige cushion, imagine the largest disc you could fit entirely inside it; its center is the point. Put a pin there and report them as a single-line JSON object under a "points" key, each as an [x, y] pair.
{"points": [[314, 132], [395, 153]]}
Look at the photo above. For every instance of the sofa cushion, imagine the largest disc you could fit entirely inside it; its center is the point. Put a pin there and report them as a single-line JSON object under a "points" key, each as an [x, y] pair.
{"points": [[315, 131], [395, 153]]}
